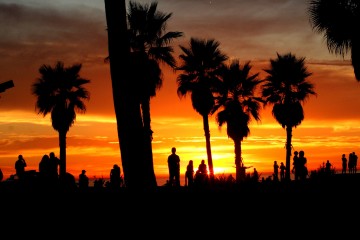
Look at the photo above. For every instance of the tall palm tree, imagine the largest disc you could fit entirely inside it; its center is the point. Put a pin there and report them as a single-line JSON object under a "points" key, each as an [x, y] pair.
{"points": [[286, 87], [150, 46], [339, 21], [60, 92], [200, 66], [238, 105], [126, 104]]}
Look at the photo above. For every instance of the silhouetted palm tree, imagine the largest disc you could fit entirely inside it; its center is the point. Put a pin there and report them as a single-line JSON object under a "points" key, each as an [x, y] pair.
{"points": [[126, 104], [201, 63], [286, 88], [238, 105], [339, 21], [60, 91], [150, 46]]}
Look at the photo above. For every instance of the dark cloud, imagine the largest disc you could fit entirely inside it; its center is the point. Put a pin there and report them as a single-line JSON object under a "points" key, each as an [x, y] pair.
{"points": [[37, 33]]}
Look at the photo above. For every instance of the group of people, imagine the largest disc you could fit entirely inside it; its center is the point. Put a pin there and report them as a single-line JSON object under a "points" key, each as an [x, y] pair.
{"points": [[299, 168], [282, 168], [116, 181], [200, 176], [349, 164], [49, 168]]}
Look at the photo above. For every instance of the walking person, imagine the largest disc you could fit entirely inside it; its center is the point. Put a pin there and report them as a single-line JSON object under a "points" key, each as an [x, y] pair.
{"points": [[174, 168]]}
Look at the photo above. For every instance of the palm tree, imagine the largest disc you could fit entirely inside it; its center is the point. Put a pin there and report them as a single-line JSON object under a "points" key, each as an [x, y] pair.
{"points": [[126, 104], [60, 91], [286, 88], [201, 64], [150, 46], [339, 21], [238, 105]]}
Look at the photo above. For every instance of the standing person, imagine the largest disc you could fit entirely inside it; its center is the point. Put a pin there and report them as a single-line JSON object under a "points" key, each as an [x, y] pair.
{"points": [[189, 174], [296, 168], [174, 168], [115, 177], [302, 165], [276, 171], [355, 158], [328, 167], [201, 175], [53, 171], [20, 165], [255, 175], [344, 163], [83, 181], [351, 162], [282, 171]]}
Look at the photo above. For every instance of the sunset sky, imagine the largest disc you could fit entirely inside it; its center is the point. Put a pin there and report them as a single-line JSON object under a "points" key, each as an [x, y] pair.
{"points": [[36, 32]]}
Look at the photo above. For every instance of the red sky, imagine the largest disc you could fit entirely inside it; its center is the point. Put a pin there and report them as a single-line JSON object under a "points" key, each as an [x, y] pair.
{"points": [[39, 32]]}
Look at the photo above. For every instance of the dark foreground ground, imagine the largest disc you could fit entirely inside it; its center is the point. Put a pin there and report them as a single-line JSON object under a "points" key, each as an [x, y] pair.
{"points": [[316, 208]]}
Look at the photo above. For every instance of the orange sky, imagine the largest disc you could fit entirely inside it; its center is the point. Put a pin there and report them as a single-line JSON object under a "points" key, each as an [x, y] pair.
{"points": [[74, 31]]}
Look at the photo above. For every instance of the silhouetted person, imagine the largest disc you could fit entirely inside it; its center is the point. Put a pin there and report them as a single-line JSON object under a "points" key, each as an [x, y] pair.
{"points": [[44, 165], [20, 165], [83, 180], [296, 165], [328, 167], [276, 171], [343, 163], [255, 175], [201, 175], [1, 175], [242, 172], [302, 165], [355, 159], [174, 168], [54, 165], [282, 171], [351, 163], [44, 171], [115, 177], [189, 174]]}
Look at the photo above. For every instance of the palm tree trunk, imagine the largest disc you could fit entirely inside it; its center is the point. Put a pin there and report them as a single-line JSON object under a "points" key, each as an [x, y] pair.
{"points": [[288, 152], [238, 162], [149, 167], [208, 146], [355, 57], [126, 104], [62, 146]]}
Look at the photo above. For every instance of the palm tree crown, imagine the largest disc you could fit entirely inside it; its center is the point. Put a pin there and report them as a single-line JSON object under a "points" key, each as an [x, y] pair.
{"points": [[339, 21], [60, 91], [201, 77], [286, 88], [238, 105], [150, 45]]}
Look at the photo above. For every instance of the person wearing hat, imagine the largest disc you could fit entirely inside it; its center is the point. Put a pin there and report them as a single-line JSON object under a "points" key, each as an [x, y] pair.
{"points": [[83, 180]]}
